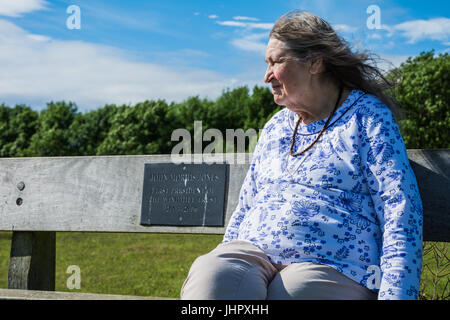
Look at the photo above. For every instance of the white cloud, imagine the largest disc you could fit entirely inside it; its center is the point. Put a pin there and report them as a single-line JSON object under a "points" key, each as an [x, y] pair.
{"points": [[38, 37], [37, 69], [248, 41], [15, 8], [390, 30], [396, 60], [232, 23], [213, 16], [375, 36], [248, 25], [251, 43], [344, 28], [417, 30], [390, 61], [245, 18]]}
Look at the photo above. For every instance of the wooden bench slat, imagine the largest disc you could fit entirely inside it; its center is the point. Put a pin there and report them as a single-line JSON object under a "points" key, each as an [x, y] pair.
{"points": [[104, 193], [32, 264], [432, 170], [15, 294], [39, 196], [97, 194]]}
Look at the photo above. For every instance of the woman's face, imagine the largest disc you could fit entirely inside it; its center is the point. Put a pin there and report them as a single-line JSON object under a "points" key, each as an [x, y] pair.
{"points": [[290, 79]]}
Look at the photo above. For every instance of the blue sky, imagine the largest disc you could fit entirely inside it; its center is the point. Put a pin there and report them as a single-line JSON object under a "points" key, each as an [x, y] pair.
{"points": [[130, 51]]}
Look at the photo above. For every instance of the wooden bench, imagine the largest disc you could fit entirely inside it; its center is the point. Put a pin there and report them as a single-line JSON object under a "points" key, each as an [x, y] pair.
{"points": [[42, 196]]}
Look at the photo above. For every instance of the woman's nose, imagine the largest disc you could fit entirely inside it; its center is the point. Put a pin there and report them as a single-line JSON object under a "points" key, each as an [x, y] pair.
{"points": [[269, 75]]}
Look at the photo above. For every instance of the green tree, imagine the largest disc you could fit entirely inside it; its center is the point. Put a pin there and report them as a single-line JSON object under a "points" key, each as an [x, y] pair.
{"points": [[52, 137], [229, 110], [90, 129], [139, 129], [260, 109], [183, 115], [17, 126], [424, 95]]}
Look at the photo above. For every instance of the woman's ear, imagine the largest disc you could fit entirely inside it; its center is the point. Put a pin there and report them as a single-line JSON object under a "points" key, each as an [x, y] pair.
{"points": [[316, 66]]}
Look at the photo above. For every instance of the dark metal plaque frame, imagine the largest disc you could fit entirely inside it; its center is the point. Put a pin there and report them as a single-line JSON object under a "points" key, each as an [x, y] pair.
{"points": [[184, 194]]}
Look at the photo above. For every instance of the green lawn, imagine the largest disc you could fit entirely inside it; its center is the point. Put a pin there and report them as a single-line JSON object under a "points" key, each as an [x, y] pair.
{"points": [[129, 264], [140, 264]]}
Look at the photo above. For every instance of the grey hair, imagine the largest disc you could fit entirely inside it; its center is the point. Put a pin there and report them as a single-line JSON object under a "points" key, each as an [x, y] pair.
{"points": [[309, 38]]}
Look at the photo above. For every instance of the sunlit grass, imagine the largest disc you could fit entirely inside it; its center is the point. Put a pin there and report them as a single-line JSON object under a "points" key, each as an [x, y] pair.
{"points": [[151, 264]]}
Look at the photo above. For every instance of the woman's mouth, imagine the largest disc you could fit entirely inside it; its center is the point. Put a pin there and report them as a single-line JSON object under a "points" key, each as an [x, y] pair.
{"points": [[276, 88]]}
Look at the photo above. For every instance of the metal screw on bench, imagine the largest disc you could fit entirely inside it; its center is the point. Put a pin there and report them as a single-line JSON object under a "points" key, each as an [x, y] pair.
{"points": [[21, 186]]}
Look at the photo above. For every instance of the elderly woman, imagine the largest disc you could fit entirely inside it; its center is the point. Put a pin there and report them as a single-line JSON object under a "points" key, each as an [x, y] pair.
{"points": [[330, 207]]}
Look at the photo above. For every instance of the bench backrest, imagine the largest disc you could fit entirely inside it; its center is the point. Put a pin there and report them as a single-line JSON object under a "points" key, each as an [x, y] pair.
{"points": [[104, 193]]}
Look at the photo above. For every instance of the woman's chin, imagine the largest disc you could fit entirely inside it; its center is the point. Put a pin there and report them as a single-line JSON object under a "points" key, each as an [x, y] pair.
{"points": [[278, 99]]}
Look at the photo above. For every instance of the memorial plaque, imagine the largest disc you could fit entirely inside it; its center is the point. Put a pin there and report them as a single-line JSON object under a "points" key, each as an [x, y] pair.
{"points": [[184, 194]]}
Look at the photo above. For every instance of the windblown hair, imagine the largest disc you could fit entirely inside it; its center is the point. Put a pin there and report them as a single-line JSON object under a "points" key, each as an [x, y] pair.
{"points": [[310, 38]]}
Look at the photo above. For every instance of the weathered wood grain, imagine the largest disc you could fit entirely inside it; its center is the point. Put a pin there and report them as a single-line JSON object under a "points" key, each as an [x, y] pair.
{"points": [[104, 194], [14, 294], [32, 261], [101, 194], [39, 196], [432, 170]]}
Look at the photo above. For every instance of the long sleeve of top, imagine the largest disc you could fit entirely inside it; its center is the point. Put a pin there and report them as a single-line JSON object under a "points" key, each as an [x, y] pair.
{"points": [[396, 202], [247, 194], [351, 202]]}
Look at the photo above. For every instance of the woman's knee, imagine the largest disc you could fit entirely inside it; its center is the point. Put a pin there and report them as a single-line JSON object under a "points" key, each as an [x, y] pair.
{"points": [[313, 281], [209, 276], [225, 273]]}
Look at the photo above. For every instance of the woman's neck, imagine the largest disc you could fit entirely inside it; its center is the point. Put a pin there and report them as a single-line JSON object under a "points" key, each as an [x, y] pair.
{"points": [[326, 100]]}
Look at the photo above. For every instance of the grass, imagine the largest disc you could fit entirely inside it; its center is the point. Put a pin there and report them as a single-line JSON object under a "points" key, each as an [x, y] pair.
{"points": [[435, 282], [157, 264], [128, 264]]}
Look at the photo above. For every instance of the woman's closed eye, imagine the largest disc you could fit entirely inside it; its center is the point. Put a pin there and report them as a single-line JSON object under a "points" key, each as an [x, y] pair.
{"points": [[273, 62]]}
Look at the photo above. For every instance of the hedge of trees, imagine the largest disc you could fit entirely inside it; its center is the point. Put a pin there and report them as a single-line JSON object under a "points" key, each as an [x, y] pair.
{"points": [[424, 96], [146, 127], [143, 128]]}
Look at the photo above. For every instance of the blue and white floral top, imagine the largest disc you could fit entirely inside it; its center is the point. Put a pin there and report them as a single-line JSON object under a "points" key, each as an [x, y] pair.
{"points": [[351, 202]]}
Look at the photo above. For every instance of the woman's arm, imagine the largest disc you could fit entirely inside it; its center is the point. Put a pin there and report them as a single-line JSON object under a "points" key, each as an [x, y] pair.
{"points": [[246, 195], [397, 202]]}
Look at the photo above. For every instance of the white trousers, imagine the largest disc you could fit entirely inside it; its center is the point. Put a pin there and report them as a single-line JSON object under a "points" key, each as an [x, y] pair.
{"points": [[238, 270]]}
